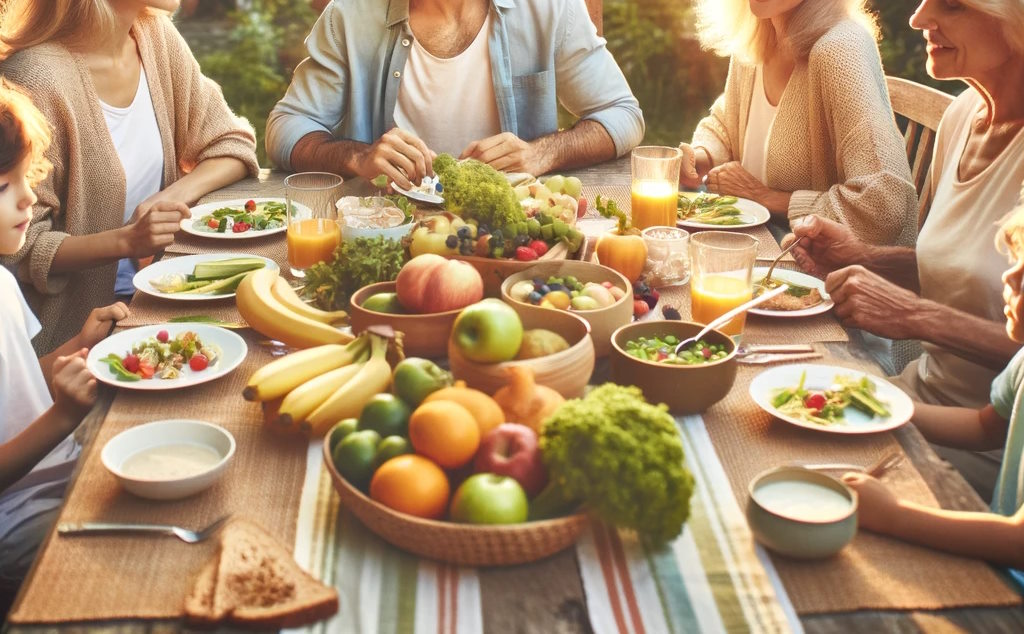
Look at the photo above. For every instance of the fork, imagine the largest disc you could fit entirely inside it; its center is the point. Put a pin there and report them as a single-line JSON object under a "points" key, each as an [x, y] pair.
{"points": [[108, 528], [883, 464]]}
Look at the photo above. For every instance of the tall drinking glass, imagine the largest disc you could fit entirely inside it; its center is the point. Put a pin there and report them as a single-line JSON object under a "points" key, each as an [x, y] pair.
{"points": [[722, 264], [313, 230], [655, 185]]}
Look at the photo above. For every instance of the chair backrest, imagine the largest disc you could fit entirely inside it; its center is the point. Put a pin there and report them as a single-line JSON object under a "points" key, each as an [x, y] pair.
{"points": [[596, 10], [918, 111]]}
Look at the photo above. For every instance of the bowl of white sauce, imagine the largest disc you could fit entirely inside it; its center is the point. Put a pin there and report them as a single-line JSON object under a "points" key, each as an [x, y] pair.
{"points": [[169, 459], [801, 513]]}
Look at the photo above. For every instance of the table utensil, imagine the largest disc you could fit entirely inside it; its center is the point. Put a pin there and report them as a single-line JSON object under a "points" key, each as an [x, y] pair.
{"points": [[745, 349], [766, 281], [760, 358], [114, 528], [876, 469], [727, 317], [794, 279]]}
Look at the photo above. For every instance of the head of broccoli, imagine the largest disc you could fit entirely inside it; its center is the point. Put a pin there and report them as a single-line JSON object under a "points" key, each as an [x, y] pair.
{"points": [[476, 190], [622, 458]]}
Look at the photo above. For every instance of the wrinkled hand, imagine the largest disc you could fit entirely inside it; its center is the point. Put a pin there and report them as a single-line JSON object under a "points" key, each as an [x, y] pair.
{"points": [[876, 505], [868, 301], [153, 226], [98, 323], [732, 179], [400, 155], [826, 246], [74, 387], [504, 152], [689, 177]]}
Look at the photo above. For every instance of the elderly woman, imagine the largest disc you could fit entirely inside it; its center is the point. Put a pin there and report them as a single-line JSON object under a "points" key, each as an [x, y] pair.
{"points": [[947, 291], [804, 125], [139, 132]]}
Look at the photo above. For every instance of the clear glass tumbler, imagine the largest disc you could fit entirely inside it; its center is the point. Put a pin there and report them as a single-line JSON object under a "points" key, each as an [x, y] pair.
{"points": [[313, 229], [722, 265], [655, 186], [668, 258]]}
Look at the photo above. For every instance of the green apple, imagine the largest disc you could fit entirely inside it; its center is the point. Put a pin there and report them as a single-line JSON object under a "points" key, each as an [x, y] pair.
{"points": [[415, 378], [488, 331], [486, 498], [384, 303]]}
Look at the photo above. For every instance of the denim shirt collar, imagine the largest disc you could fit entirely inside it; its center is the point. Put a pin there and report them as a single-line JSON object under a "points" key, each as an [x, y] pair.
{"points": [[398, 10]]}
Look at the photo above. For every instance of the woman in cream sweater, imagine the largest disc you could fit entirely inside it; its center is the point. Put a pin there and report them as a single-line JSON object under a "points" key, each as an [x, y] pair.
{"points": [[139, 133], [804, 125]]}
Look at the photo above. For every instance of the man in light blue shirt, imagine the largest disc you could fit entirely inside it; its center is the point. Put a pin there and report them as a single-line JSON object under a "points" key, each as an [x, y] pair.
{"points": [[339, 112]]}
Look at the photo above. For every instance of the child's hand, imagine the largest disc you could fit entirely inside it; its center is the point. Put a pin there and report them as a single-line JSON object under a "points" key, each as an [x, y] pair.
{"points": [[74, 387], [98, 323], [877, 506]]}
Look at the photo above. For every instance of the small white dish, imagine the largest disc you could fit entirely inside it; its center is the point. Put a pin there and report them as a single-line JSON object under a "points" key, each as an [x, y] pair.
{"points": [[795, 277], [820, 378], [232, 349], [418, 194], [193, 225], [754, 215], [185, 265], [159, 461]]}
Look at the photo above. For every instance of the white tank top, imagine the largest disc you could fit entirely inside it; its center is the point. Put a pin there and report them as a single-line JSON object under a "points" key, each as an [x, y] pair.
{"points": [[759, 129], [449, 103]]}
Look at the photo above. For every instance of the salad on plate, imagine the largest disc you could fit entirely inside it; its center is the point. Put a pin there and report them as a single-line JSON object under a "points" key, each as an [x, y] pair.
{"points": [[828, 406], [251, 217], [163, 357]]}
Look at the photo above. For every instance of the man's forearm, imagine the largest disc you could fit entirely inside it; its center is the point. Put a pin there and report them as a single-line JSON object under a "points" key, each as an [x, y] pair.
{"points": [[586, 143], [319, 151], [971, 337], [896, 264]]}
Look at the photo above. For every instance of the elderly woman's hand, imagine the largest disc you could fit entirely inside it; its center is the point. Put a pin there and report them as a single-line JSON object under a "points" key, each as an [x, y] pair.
{"points": [[868, 301], [826, 246], [689, 169], [733, 179]]}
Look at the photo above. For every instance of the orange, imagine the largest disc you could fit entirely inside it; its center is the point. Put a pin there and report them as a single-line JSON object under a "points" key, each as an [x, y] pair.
{"points": [[411, 484], [445, 432]]}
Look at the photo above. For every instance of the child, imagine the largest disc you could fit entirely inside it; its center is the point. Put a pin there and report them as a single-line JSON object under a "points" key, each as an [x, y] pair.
{"points": [[37, 451], [998, 536]]}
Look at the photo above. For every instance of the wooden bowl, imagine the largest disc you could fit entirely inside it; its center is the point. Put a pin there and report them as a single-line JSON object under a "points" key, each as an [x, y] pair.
{"points": [[686, 389], [426, 335], [462, 544], [495, 270], [603, 321], [567, 372]]}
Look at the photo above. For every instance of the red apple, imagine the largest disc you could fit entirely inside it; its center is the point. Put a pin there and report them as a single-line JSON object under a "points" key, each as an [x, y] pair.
{"points": [[511, 449], [429, 283]]}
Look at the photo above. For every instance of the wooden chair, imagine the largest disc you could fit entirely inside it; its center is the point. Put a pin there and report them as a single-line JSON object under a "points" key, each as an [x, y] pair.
{"points": [[918, 111]]}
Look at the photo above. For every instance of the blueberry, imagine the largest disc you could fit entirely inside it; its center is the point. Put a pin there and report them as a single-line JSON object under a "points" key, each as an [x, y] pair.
{"points": [[482, 228], [452, 241], [438, 187], [463, 232], [534, 297], [670, 312], [538, 281], [544, 290], [498, 235], [557, 287]]}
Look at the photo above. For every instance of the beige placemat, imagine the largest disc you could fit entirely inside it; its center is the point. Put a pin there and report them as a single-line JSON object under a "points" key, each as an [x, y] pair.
{"points": [[147, 310], [874, 572], [104, 578], [273, 247]]}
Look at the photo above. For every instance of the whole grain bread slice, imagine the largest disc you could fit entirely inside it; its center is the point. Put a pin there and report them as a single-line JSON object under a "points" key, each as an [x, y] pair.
{"points": [[199, 602]]}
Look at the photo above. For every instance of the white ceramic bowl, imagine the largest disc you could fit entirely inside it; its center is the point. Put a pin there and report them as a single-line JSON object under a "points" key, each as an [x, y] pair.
{"points": [[164, 433]]}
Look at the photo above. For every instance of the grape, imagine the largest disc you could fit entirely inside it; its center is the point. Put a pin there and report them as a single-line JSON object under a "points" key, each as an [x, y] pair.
{"points": [[573, 187], [555, 184]]}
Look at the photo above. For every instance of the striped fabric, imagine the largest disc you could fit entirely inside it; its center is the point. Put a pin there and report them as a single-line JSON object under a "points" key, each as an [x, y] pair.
{"points": [[713, 578]]}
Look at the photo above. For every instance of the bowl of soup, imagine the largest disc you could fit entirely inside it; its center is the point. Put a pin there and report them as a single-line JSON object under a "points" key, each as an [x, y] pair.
{"points": [[169, 459], [801, 513]]}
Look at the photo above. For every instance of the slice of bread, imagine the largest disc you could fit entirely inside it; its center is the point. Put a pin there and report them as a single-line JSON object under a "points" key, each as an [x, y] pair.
{"points": [[256, 583]]}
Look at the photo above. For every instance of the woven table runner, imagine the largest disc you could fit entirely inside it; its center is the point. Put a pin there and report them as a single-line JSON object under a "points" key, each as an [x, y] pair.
{"points": [[91, 577], [874, 572], [147, 310]]}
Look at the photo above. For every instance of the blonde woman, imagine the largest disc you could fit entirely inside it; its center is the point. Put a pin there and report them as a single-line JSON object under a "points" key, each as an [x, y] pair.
{"points": [[804, 125], [139, 133]]}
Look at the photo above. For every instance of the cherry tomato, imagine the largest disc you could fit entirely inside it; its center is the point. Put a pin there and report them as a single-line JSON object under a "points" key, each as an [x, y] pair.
{"points": [[815, 401], [525, 254], [706, 352], [131, 363], [146, 369], [198, 362], [163, 336], [539, 247], [250, 205], [240, 227], [213, 223]]}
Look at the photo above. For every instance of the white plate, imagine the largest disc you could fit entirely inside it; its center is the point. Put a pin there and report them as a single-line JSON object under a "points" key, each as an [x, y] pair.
{"points": [[232, 348], [423, 197], [187, 224], [821, 377], [795, 277], [754, 215], [186, 264]]}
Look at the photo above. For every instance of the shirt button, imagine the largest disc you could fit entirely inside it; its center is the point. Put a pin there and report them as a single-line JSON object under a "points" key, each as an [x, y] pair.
{"points": [[405, 42], [398, 73]]}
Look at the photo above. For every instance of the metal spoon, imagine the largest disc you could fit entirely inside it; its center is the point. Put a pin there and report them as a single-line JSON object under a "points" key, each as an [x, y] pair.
{"points": [[724, 319], [766, 282]]}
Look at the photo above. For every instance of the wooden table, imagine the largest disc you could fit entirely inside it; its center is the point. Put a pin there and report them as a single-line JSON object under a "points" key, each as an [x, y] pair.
{"points": [[545, 599]]}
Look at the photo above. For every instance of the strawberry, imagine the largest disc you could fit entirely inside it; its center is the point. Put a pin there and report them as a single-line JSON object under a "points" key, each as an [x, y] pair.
{"points": [[525, 254], [539, 247], [131, 363], [163, 336], [640, 308]]}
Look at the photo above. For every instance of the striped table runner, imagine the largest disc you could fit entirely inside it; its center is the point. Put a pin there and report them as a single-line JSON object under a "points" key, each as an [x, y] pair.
{"points": [[713, 578]]}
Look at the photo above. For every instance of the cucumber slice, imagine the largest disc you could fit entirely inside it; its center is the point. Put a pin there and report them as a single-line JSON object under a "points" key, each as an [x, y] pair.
{"points": [[220, 269]]}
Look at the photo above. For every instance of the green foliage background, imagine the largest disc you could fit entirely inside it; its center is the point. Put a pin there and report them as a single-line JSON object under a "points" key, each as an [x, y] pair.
{"points": [[252, 53]]}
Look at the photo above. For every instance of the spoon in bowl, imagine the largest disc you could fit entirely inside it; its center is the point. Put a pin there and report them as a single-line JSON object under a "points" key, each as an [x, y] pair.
{"points": [[727, 317]]}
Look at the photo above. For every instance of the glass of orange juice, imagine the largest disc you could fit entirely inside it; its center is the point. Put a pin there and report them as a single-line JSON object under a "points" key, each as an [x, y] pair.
{"points": [[655, 186], [721, 265], [313, 229]]}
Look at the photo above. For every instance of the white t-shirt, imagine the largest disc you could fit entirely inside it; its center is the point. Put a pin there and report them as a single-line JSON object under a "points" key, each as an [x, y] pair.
{"points": [[449, 103], [136, 138], [23, 398], [760, 120], [956, 255]]}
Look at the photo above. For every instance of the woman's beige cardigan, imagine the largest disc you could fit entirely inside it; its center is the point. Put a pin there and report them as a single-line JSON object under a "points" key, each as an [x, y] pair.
{"points": [[85, 192], [834, 143]]}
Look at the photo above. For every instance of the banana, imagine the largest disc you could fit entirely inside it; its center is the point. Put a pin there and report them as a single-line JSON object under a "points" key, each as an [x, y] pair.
{"points": [[303, 400], [348, 401], [285, 294], [265, 313], [283, 375]]}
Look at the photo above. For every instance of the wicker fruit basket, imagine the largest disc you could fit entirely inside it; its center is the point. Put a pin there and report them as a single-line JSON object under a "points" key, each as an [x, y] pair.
{"points": [[462, 544]]}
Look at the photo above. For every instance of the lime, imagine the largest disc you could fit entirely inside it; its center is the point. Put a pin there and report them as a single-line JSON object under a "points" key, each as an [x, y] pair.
{"points": [[385, 414], [384, 303], [353, 457], [339, 431], [389, 448]]}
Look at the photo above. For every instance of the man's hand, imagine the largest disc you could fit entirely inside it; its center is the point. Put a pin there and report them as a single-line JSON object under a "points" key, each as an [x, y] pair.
{"points": [[98, 323], [400, 155], [152, 227], [504, 152], [876, 505], [826, 246], [74, 386], [868, 301]]}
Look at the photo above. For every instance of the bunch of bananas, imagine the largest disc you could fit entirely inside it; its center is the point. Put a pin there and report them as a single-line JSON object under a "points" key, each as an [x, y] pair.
{"points": [[271, 306], [313, 389]]}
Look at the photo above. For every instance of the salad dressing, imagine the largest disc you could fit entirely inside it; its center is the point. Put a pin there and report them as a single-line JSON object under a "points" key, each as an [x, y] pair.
{"points": [[801, 500], [170, 462]]}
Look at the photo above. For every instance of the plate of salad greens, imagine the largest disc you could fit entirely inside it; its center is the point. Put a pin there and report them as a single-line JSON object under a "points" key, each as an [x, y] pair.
{"points": [[240, 219], [702, 210], [198, 277], [832, 399], [166, 356]]}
